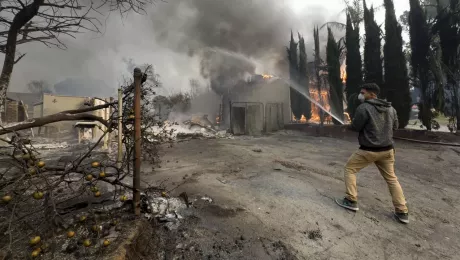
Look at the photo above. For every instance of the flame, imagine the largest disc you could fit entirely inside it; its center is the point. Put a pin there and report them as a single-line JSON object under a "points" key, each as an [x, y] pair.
{"points": [[343, 73], [315, 111], [267, 76]]}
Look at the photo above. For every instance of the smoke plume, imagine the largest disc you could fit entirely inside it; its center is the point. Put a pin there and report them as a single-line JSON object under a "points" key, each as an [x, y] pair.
{"points": [[213, 41], [232, 39]]}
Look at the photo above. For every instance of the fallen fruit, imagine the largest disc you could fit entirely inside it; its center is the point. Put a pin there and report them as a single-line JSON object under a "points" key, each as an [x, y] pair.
{"points": [[96, 228], [163, 194], [82, 218], [32, 171], [89, 177], [35, 240], [94, 189], [7, 198], [87, 243], [123, 198], [95, 164], [70, 234], [101, 174], [106, 242], [38, 195], [97, 194], [41, 164], [35, 253]]}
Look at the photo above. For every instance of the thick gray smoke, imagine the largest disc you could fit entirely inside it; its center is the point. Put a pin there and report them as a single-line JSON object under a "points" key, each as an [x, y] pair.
{"points": [[232, 39], [208, 40]]}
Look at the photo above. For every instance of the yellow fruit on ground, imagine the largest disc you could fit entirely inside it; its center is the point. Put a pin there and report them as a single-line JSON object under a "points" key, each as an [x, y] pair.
{"points": [[70, 234], [35, 240], [35, 253], [32, 171], [123, 198], [95, 164], [7, 198], [87, 242], [96, 228], [106, 242], [38, 195], [101, 174], [97, 194], [94, 189], [89, 177], [41, 164], [163, 194], [82, 218]]}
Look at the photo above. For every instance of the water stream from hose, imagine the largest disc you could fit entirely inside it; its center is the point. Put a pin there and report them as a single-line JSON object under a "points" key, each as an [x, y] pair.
{"points": [[299, 89]]}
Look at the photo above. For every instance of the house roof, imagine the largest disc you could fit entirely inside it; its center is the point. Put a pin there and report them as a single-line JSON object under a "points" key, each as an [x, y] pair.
{"points": [[28, 98]]}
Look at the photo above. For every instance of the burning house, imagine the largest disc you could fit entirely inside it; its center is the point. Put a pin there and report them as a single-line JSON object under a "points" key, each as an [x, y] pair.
{"points": [[259, 104]]}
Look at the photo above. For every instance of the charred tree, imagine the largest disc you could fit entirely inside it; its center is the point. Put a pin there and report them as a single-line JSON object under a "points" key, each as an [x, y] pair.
{"points": [[396, 88], [335, 82]]}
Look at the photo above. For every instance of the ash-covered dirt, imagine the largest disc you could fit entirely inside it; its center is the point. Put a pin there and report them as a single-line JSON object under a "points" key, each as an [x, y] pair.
{"points": [[272, 198]]}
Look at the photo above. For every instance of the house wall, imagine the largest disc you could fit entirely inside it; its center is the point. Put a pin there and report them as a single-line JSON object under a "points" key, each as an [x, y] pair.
{"points": [[53, 104], [104, 113], [38, 110], [265, 91], [12, 111]]}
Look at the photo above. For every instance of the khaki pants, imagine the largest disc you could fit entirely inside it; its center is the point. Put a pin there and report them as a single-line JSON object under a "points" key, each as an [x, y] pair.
{"points": [[385, 163]]}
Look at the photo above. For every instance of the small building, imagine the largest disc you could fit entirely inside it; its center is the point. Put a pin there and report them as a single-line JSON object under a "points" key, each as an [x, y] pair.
{"points": [[53, 104], [261, 104]]}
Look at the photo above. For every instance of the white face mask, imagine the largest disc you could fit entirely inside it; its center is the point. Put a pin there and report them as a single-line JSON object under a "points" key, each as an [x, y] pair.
{"points": [[361, 97]]}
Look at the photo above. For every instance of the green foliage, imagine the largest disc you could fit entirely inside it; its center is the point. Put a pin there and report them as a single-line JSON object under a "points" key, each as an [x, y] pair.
{"points": [[335, 82], [396, 87], [293, 74], [354, 72], [305, 104], [420, 45]]}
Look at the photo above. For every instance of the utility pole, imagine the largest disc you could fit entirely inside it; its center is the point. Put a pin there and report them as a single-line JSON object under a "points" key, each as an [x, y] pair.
{"points": [[137, 141]]}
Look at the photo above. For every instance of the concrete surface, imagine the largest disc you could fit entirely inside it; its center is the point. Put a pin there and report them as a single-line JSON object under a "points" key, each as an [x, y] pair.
{"points": [[282, 187]]}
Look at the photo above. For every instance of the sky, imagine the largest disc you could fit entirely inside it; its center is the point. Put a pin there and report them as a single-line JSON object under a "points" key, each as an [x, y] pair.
{"points": [[158, 38]]}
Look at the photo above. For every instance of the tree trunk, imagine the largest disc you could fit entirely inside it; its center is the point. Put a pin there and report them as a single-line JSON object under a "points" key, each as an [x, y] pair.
{"points": [[20, 19]]}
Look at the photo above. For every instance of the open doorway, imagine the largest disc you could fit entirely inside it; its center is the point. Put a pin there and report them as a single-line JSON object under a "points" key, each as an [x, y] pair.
{"points": [[238, 120]]}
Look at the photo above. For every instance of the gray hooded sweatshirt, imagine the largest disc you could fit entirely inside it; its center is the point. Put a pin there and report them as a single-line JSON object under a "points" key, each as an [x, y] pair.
{"points": [[375, 120]]}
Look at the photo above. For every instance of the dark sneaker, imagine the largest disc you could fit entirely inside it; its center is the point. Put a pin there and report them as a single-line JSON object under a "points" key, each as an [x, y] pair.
{"points": [[402, 217], [348, 204]]}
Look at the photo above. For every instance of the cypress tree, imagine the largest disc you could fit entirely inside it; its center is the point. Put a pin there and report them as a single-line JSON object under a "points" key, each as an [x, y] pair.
{"points": [[372, 59], [448, 28], [317, 68], [293, 74], [396, 88], [354, 72], [305, 104], [335, 82]]}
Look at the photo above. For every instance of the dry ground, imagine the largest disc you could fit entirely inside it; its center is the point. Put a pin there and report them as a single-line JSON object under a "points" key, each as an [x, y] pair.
{"points": [[273, 199]]}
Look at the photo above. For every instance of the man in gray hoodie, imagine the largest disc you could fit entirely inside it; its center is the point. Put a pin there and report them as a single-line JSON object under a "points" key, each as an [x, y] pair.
{"points": [[375, 120]]}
